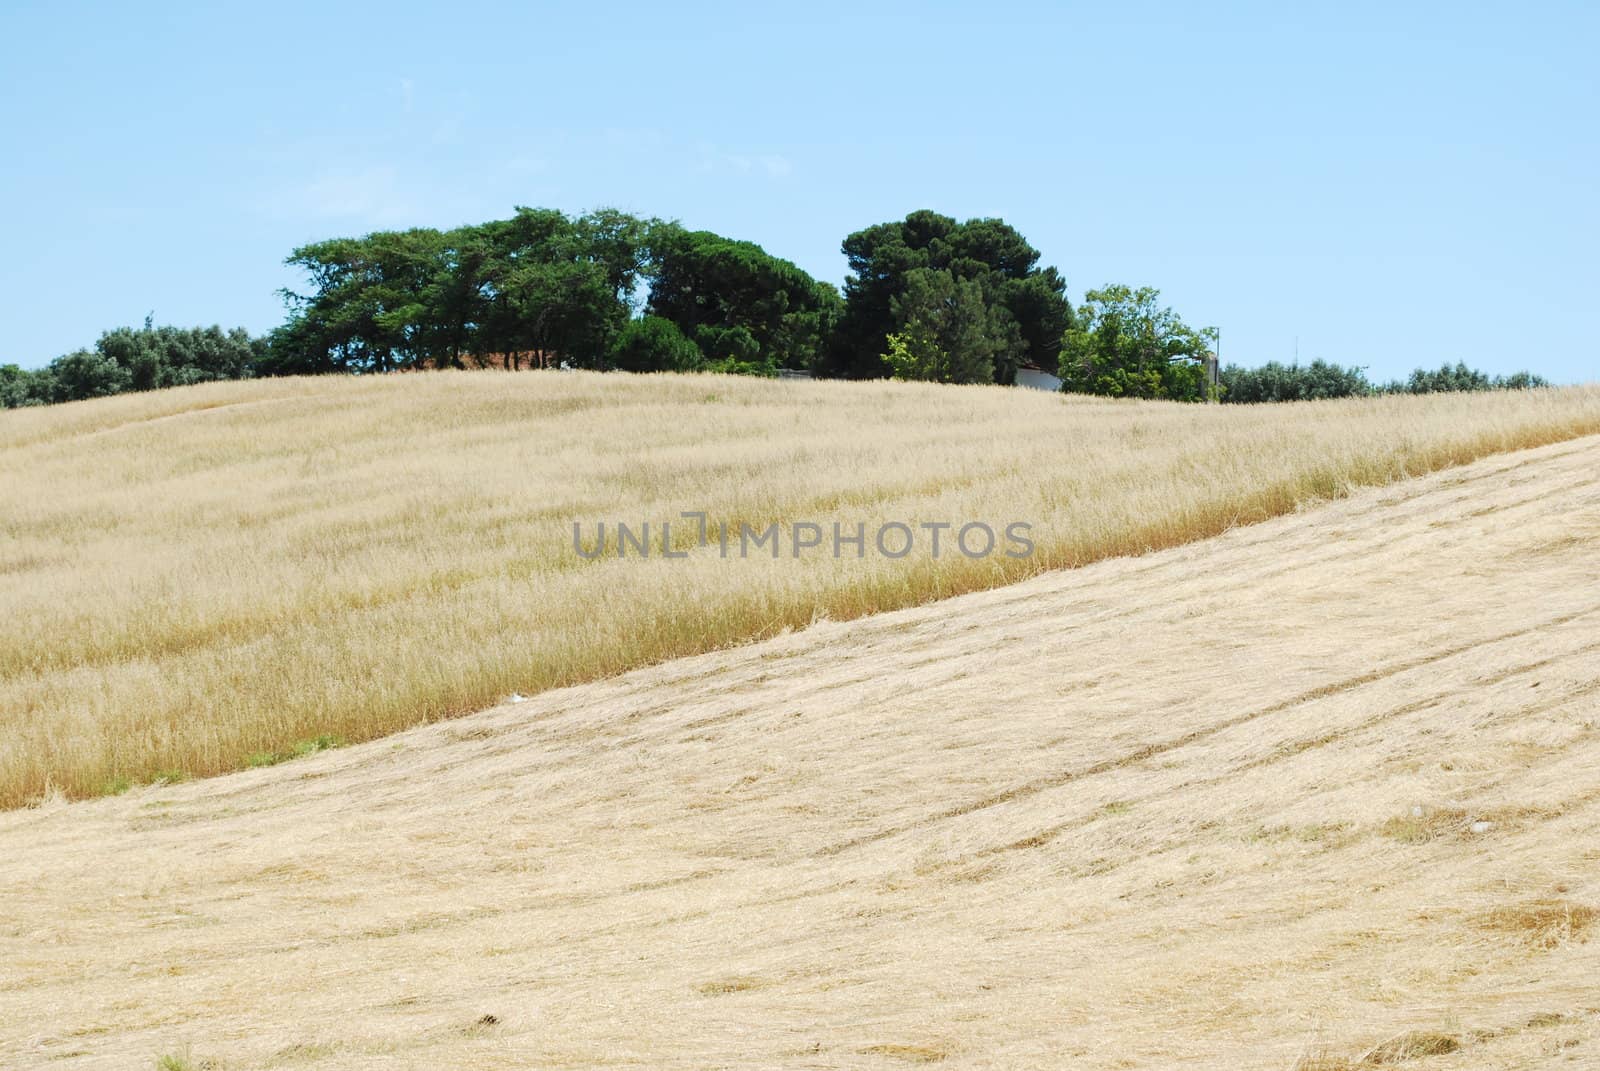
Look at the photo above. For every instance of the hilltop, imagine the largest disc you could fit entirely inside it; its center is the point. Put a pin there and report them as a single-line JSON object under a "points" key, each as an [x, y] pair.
{"points": [[225, 575]]}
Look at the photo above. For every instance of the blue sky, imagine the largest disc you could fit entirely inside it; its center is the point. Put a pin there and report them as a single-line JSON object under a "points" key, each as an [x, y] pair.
{"points": [[1390, 185]]}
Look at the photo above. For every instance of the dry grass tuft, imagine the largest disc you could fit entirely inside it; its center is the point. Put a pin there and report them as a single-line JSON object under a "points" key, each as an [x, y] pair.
{"points": [[1423, 825], [196, 579], [911, 1054], [302, 1052], [743, 983], [1431, 825], [1323, 1061], [1412, 1045], [1409, 1046], [1543, 923]]}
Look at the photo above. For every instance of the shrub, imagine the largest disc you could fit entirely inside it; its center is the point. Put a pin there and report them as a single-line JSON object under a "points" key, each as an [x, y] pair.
{"points": [[654, 344], [1459, 377], [87, 374], [1275, 382]]}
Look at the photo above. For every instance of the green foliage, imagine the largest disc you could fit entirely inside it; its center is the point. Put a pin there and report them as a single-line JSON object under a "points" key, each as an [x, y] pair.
{"points": [[157, 357], [1126, 345], [734, 366], [534, 289], [20, 387], [737, 301], [1275, 382], [301, 748], [927, 298], [654, 344], [909, 357], [116, 786], [1026, 311], [1523, 380], [951, 335], [87, 374], [136, 359], [1459, 377]]}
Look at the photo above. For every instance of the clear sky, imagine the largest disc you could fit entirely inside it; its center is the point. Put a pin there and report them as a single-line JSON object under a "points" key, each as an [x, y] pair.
{"points": [[1390, 184]]}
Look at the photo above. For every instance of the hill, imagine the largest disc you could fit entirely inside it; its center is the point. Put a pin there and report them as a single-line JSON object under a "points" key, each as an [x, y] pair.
{"points": [[207, 578], [1320, 793]]}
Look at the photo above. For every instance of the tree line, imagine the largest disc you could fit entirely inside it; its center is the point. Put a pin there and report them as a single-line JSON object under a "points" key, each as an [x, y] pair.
{"points": [[927, 297], [129, 359], [1276, 382]]}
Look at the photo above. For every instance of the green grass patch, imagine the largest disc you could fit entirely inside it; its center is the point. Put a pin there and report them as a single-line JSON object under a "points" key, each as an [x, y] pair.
{"points": [[300, 749]]}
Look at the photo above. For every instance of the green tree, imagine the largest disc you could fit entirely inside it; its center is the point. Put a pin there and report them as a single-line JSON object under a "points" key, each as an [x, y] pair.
{"points": [[558, 289], [986, 252], [129, 359], [950, 334], [156, 357], [358, 315], [1125, 344], [739, 302], [621, 245], [537, 288], [1276, 382], [654, 344], [1459, 377], [86, 374], [20, 387]]}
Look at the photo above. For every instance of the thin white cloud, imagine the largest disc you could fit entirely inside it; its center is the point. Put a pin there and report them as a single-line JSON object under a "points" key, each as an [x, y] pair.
{"points": [[373, 196], [772, 165]]}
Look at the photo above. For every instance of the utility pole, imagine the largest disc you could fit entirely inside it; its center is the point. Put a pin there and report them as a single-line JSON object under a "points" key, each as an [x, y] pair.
{"points": [[1214, 367]]}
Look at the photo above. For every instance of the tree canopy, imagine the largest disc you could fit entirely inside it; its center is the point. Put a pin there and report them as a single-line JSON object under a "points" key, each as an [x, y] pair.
{"points": [[926, 298], [129, 358], [949, 333], [654, 344], [1025, 310], [543, 287], [1276, 382], [1458, 377], [735, 300], [1125, 344], [521, 290]]}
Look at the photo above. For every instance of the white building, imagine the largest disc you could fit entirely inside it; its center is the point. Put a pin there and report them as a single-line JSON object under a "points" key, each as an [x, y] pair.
{"points": [[1031, 375]]}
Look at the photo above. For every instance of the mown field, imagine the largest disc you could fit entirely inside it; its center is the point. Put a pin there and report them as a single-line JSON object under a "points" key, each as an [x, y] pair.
{"points": [[1321, 794], [202, 579]]}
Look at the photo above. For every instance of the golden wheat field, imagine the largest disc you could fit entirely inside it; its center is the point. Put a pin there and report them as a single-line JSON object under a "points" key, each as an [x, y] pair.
{"points": [[1321, 794], [212, 577]]}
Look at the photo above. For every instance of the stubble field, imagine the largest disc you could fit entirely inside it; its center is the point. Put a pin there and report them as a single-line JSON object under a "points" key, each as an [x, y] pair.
{"points": [[1319, 794]]}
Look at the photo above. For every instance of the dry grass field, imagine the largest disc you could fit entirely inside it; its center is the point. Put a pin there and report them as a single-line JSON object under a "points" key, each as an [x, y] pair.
{"points": [[1322, 793], [203, 579]]}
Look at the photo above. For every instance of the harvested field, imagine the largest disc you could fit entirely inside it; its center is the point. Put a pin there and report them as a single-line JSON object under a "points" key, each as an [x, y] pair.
{"points": [[1323, 792]]}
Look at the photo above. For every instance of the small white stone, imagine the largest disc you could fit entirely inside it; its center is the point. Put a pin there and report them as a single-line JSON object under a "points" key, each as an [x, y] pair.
{"points": [[1482, 827]]}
